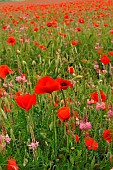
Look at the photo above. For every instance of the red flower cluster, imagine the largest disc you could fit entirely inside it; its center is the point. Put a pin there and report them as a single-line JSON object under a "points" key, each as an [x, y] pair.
{"points": [[26, 101], [47, 85], [70, 69], [74, 43], [111, 31], [11, 165], [105, 59], [4, 70], [11, 41], [91, 144], [64, 113], [36, 29], [110, 53], [64, 84], [76, 138], [81, 20], [95, 97], [107, 135], [78, 29], [49, 24]]}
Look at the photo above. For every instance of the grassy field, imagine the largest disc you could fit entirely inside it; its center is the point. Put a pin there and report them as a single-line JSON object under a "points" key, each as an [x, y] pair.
{"points": [[56, 85]]}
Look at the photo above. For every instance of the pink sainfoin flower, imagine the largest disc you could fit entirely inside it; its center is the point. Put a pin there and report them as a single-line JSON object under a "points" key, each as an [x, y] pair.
{"points": [[22, 28], [89, 102], [3, 140], [5, 85], [27, 40], [34, 145], [96, 66], [7, 139], [21, 79], [101, 106], [85, 125], [10, 84], [110, 113]]}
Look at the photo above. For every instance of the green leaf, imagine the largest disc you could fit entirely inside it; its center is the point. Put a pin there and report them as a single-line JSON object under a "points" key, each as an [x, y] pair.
{"points": [[25, 162], [72, 159], [92, 163]]}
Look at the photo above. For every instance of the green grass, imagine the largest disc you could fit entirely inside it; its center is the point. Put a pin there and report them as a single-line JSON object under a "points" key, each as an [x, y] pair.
{"points": [[57, 148]]}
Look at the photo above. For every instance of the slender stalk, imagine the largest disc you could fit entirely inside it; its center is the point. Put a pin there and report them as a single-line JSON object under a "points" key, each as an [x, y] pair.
{"points": [[54, 129], [63, 97]]}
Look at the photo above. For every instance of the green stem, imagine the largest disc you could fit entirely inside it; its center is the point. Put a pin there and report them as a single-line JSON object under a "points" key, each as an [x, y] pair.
{"points": [[63, 97], [55, 131]]}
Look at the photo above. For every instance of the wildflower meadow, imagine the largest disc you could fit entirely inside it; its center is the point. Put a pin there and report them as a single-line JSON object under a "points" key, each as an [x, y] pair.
{"points": [[56, 85]]}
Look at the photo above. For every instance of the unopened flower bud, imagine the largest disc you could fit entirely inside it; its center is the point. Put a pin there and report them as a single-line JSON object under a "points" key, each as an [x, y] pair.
{"points": [[24, 62], [18, 51], [33, 62]]}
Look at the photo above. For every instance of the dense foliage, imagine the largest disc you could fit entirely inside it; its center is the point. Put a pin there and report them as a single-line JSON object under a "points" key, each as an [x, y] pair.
{"points": [[56, 85]]}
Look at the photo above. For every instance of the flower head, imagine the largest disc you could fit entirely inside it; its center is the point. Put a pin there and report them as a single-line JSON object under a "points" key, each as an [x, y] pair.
{"points": [[63, 113], [12, 165], [95, 96], [91, 144], [33, 145], [4, 71], [70, 70], [47, 85], [105, 59], [11, 41], [26, 101], [64, 83], [107, 135], [85, 125], [110, 113]]}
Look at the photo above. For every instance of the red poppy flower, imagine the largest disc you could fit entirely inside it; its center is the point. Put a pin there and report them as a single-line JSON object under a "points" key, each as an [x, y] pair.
{"points": [[63, 113], [26, 101], [95, 97], [95, 24], [18, 93], [78, 29], [66, 16], [105, 59], [22, 40], [4, 27], [107, 135], [36, 29], [74, 43], [70, 70], [105, 25], [110, 53], [91, 144], [76, 138], [64, 83], [81, 20], [11, 165], [49, 24], [111, 31], [47, 85], [11, 41], [42, 47], [36, 43], [4, 70]]}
